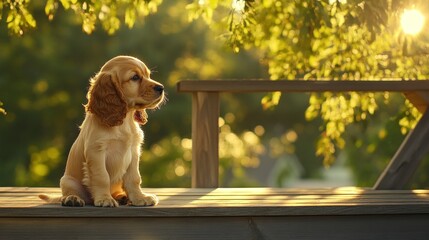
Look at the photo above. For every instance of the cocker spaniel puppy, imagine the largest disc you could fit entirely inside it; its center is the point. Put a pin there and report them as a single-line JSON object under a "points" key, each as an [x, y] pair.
{"points": [[103, 163]]}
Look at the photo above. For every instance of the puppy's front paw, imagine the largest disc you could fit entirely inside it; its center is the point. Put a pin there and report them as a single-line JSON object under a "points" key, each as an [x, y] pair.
{"points": [[72, 201], [105, 202], [145, 200]]}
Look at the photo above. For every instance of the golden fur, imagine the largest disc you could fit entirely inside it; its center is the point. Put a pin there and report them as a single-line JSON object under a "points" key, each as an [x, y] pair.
{"points": [[103, 163]]}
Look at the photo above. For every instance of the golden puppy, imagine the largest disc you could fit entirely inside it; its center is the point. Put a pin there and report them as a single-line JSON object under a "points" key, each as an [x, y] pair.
{"points": [[103, 163]]}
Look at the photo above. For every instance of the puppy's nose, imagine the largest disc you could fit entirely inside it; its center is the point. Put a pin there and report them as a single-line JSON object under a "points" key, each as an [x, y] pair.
{"points": [[158, 88]]}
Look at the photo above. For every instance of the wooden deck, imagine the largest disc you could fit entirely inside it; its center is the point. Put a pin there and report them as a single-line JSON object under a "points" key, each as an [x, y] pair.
{"points": [[224, 213]]}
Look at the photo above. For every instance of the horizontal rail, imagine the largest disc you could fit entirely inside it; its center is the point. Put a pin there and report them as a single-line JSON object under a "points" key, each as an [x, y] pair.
{"points": [[243, 86]]}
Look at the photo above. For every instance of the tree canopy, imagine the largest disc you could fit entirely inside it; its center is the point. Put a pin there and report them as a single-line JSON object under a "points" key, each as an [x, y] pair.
{"points": [[328, 39], [110, 14]]}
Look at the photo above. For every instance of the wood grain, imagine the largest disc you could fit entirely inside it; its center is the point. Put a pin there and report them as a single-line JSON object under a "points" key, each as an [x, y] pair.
{"points": [[368, 227], [23, 202], [205, 139], [223, 213]]}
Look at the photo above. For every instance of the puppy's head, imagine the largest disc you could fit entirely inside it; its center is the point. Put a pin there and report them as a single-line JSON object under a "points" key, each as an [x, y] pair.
{"points": [[123, 84]]}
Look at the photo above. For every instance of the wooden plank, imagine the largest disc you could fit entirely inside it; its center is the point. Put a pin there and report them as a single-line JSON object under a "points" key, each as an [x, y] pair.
{"points": [[21, 199], [270, 203], [14, 200], [408, 157], [183, 192], [123, 228], [216, 210], [23, 202], [300, 228], [205, 139], [196, 203], [222, 203], [252, 193], [242, 86], [343, 227]]}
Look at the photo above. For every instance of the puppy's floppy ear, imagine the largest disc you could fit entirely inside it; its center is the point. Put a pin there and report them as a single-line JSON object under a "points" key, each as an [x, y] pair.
{"points": [[106, 100]]}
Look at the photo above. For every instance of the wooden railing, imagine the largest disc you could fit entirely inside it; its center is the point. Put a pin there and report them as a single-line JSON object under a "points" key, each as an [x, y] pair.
{"points": [[244, 213], [205, 114]]}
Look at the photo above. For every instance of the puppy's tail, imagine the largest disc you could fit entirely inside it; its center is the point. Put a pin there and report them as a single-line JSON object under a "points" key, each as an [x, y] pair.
{"points": [[49, 199]]}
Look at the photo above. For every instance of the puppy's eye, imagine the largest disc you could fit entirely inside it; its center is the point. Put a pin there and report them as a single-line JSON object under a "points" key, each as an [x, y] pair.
{"points": [[136, 77]]}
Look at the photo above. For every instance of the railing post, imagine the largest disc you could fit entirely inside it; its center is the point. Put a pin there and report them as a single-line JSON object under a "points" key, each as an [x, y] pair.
{"points": [[205, 140]]}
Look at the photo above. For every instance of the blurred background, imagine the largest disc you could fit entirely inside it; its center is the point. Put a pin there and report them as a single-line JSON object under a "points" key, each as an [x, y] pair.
{"points": [[265, 140]]}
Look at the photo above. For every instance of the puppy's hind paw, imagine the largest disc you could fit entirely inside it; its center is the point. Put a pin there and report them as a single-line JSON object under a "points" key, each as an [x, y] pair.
{"points": [[72, 201]]}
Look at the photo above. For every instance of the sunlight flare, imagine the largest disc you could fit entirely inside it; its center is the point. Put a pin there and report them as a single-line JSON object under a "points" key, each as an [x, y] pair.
{"points": [[238, 5], [412, 21]]}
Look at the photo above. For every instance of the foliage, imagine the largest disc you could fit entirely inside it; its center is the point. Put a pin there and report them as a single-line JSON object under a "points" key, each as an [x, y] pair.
{"points": [[337, 40], [110, 14], [237, 152], [18, 16], [370, 146]]}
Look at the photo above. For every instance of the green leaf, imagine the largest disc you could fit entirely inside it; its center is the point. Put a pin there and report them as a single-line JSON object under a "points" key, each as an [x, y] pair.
{"points": [[88, 24], [271, 100], [1, 9], [10, 16], [2, 111], [66, 3], [50, 9], [28, 17], [130, 17]]}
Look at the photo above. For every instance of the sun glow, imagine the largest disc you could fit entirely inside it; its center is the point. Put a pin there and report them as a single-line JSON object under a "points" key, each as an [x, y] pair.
{"points": [[412, 21], [238, 5]]}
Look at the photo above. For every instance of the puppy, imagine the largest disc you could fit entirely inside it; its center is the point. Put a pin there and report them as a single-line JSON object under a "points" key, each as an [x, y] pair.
{"points": [[103, 163]]}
